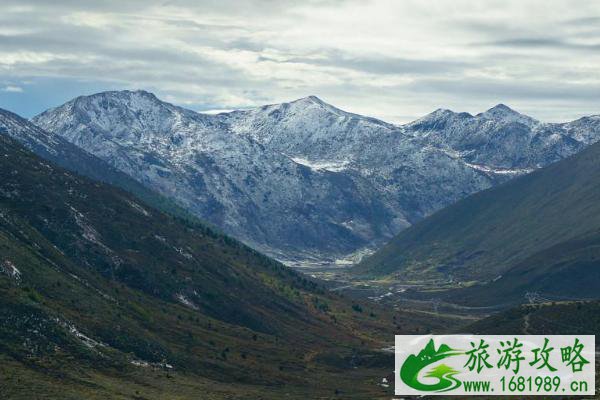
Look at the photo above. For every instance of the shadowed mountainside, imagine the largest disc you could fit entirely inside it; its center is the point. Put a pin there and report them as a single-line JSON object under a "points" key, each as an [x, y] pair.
{"points": [[539, 232]]}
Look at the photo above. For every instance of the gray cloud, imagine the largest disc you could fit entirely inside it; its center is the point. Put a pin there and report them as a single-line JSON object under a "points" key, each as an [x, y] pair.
{"points": [[585, 21], [538, 43], [377, 64], [393, 60]]}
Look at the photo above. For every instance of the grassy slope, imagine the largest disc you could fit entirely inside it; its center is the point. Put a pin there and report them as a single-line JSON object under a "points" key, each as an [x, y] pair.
{"points": [[545, 223], [556, 318], [95, 260], [567, 271]]}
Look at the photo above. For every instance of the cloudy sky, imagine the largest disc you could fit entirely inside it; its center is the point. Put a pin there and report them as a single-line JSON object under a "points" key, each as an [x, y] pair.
{"points": [[393, 59]]}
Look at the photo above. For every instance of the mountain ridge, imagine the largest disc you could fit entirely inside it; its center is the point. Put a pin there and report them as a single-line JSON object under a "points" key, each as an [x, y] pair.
{"points": [[226, 179], [356, 180]]}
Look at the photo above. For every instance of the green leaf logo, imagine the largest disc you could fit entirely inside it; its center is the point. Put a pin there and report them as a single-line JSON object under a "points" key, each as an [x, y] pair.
{"points": [[409, 372]]}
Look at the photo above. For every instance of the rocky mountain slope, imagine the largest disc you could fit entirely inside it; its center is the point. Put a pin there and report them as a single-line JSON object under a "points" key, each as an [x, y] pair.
{"points": [[413, 176], [501, 140], [305, 180], [537, 233], [260, 196], [103, 296]]}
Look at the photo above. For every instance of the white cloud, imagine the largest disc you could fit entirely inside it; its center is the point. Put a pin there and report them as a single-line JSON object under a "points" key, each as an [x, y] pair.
{"points": [[393, 59], [12, 89], [214, 112]]}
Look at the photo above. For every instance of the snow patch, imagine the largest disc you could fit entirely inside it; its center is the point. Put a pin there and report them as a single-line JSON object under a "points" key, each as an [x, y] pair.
{"points": [[86, 340], [185, 301], [331, 166], [184, 253], [160, 238], [140, 363], [138, 208], [146, 364], [91, 235], [11, 270], [500, 171]]}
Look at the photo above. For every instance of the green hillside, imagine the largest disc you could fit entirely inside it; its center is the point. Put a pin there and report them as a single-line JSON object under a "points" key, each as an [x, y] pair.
{"points": [[104, 297], [537, 232]]}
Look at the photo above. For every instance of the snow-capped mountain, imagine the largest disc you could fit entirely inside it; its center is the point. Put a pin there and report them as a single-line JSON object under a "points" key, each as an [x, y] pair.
{"points": [[413, 176], [258, 195], [424, 165], [306, 180], [501, 139]]}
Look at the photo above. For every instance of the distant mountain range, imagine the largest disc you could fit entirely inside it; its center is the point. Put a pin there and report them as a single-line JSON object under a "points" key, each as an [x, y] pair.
{"points": [[304, 181], [537, 233]]}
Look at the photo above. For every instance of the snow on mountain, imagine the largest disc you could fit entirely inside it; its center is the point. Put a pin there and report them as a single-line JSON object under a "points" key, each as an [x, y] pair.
{"points": [[304, 179], [258, 195], [502, 139], [308, 128], [28, 134], [55, 148], [501, 112]]}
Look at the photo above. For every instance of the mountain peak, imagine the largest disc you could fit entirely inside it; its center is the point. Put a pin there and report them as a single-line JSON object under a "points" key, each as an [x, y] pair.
{"points": [[504, 113], [122, 112], [315, 103], [501, 109], [118, 94], [441, 112], [434, 120], [312, 99], [301, 103]]}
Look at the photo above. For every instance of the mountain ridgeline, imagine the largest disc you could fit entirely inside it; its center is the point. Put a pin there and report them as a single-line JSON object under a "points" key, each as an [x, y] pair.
{"points": [[305, 181], [537, 233]]}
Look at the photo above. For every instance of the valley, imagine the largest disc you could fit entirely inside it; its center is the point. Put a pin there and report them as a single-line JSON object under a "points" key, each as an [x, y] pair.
{"points": [[534, 234], [212, 290], [423, 297], [284, 200], [166, 305]]}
